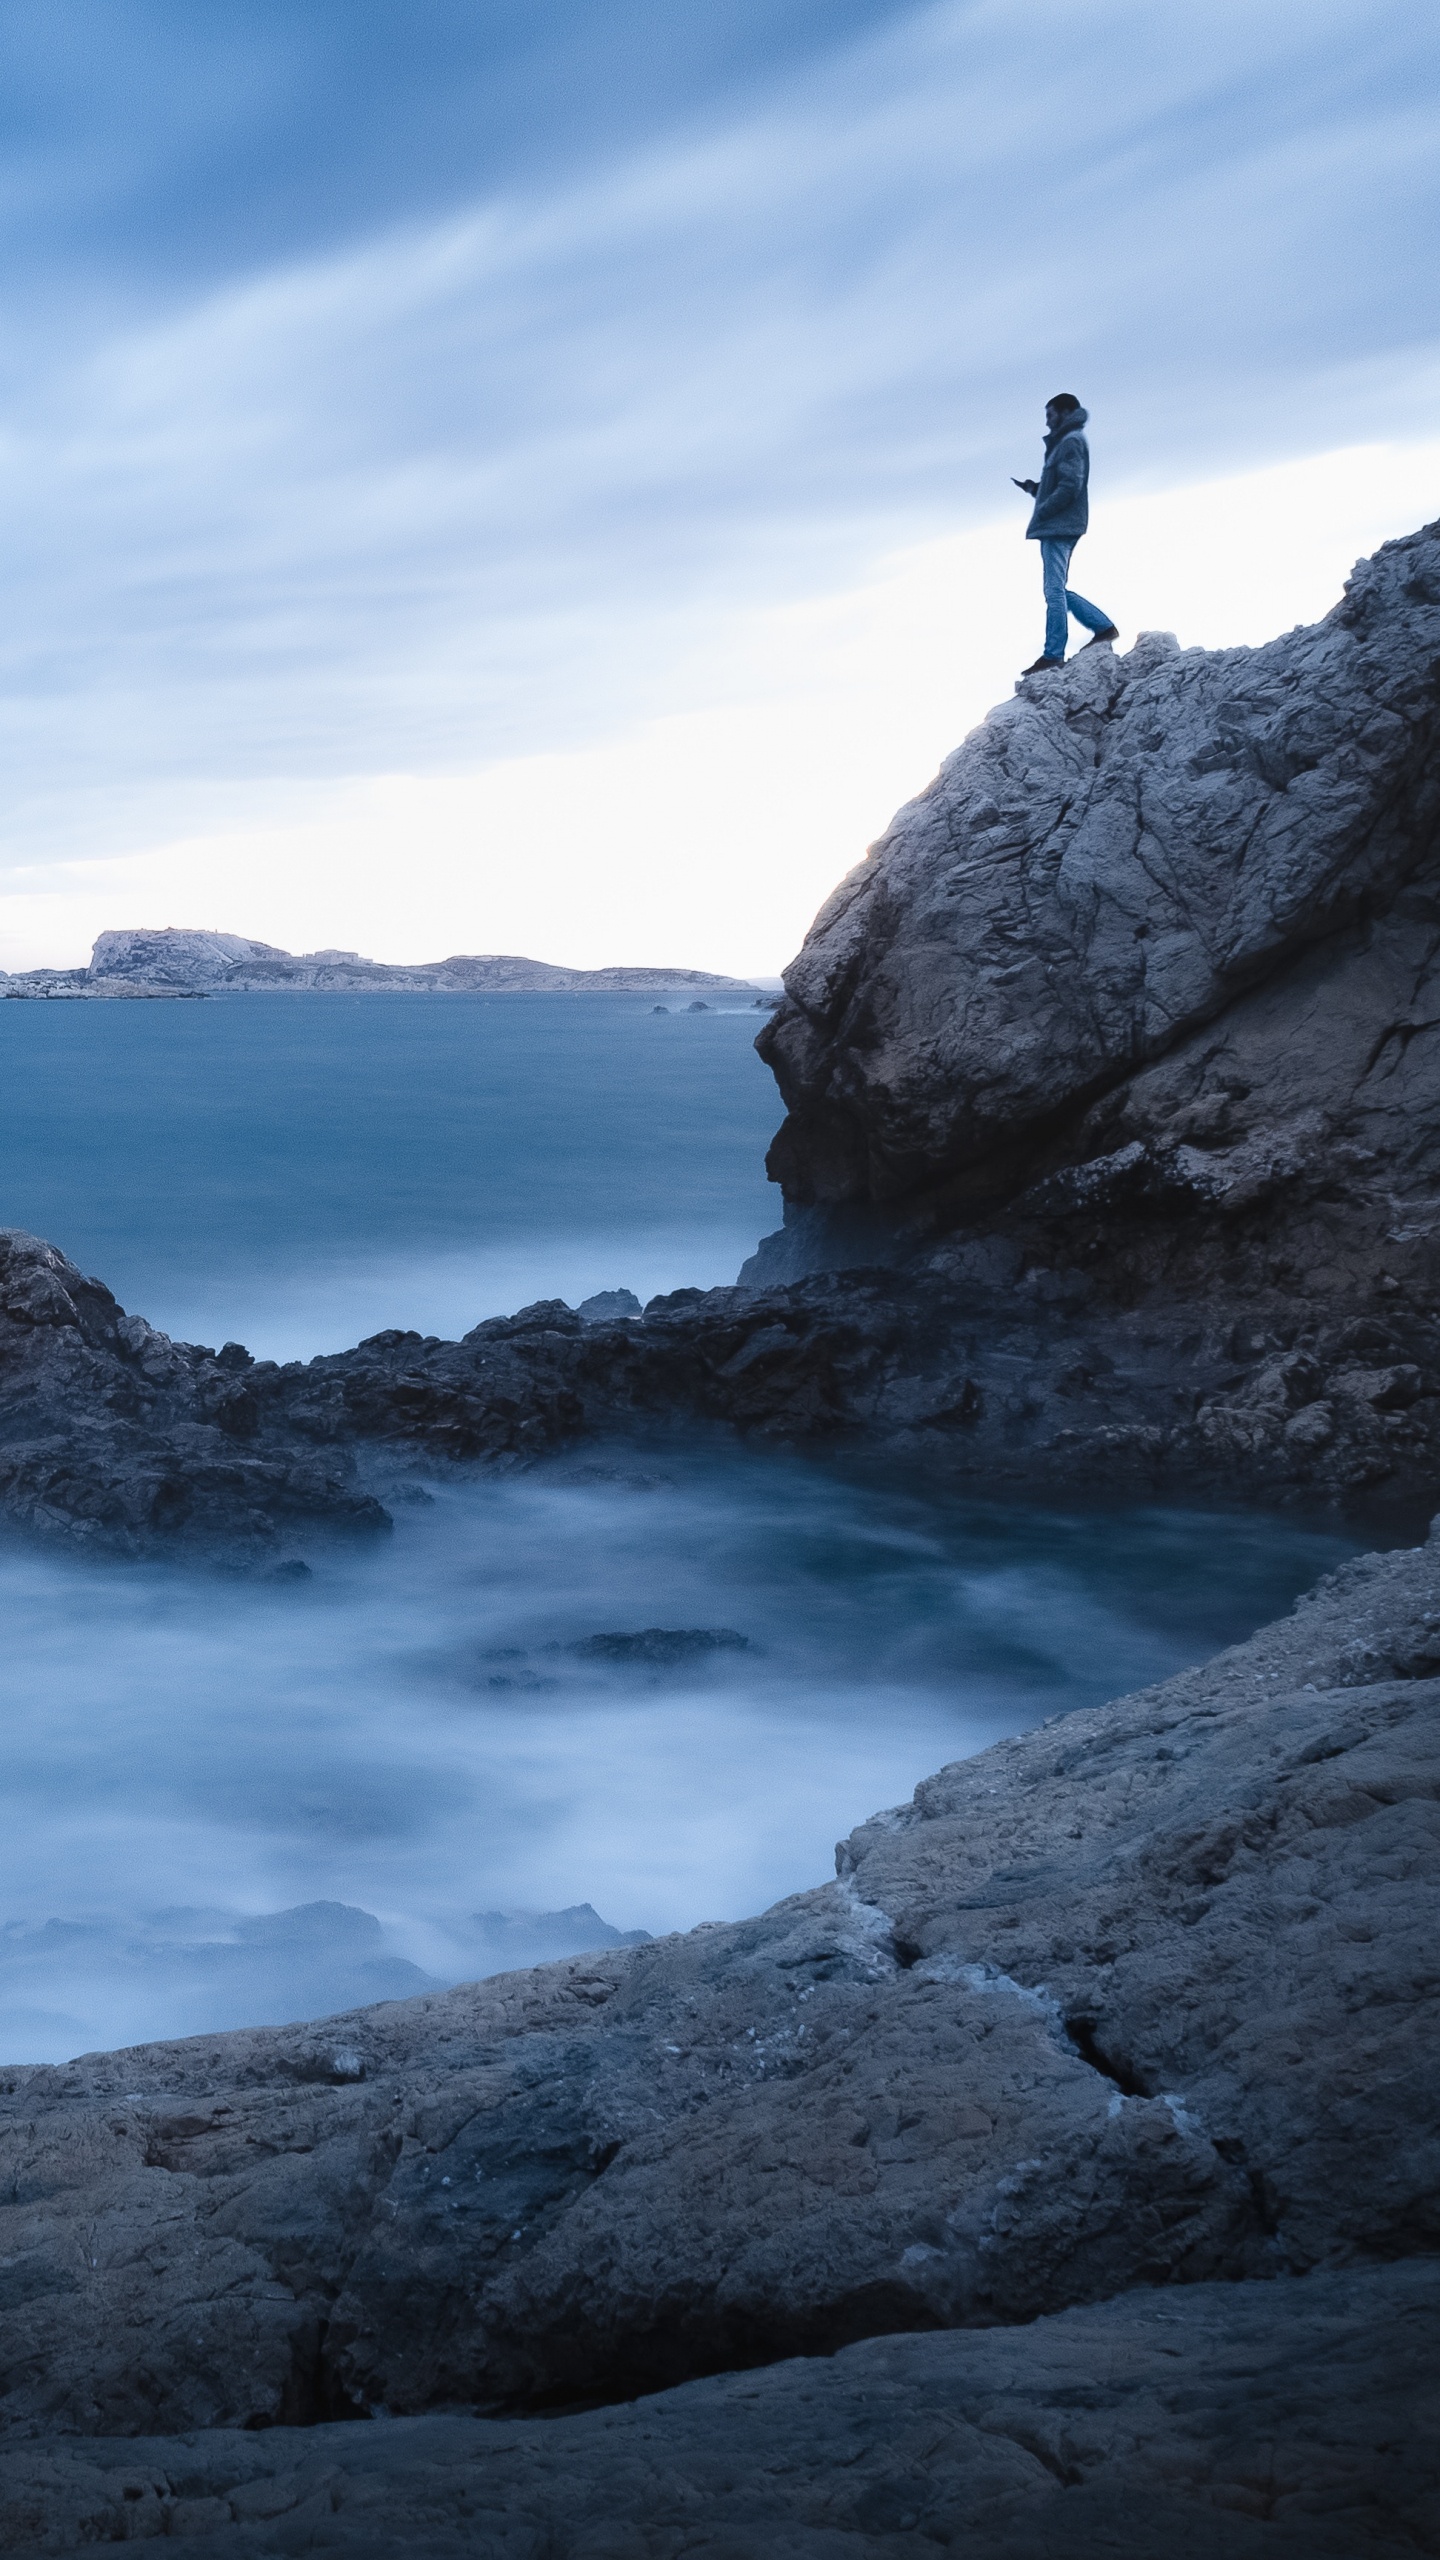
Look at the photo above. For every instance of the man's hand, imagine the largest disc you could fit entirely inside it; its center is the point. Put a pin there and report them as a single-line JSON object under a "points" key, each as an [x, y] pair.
{"points": [[1030, 487]]}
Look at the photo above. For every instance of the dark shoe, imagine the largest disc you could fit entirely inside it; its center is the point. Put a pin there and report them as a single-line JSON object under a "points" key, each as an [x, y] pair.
{"points": [[1040, 666], [1110, 632]]}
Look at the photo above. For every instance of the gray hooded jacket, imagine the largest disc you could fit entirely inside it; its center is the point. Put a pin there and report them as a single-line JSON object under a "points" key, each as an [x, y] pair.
{"points": [[1062, 503]]}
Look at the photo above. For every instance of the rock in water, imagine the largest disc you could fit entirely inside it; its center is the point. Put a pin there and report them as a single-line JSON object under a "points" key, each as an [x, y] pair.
{"points": [[659, 1648], [1113, 866]]}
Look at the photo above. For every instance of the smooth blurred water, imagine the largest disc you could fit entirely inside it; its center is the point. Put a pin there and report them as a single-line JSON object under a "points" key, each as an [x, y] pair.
{"points": [[230, 1801], [294, 1172], [414, 1735]]}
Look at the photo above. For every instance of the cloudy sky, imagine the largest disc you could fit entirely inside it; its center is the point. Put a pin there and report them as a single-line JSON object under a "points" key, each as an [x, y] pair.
{"points": [[533, 474]]}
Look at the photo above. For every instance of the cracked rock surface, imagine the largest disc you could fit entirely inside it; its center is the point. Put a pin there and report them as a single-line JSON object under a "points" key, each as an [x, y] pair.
{"points": [[1107, 866], [1128, 2020]]}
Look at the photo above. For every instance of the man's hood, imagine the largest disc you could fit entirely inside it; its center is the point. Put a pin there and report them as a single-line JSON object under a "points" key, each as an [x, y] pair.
{"points": [[1072, 419]]}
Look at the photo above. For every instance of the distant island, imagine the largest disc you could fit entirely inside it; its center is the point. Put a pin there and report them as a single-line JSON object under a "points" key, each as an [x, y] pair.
{"points": [[177, 962]]}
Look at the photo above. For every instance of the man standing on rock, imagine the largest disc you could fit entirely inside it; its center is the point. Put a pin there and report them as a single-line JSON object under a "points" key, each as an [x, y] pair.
{"points": [[1059, 517]]}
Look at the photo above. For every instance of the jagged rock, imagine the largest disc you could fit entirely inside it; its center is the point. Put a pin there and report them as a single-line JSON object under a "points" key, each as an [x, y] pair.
{"points": [[503, 1940], [1111, 2047], [1106, 867], [112, 1435], [989, 1365], [1146, 1998]]}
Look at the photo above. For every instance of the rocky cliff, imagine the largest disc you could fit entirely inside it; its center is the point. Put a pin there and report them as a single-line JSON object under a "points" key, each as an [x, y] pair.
{"points": [[1094, 2093], [177, 962], [1165, 926]]}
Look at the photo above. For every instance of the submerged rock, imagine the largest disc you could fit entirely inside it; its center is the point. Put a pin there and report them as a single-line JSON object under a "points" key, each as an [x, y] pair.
{"points": [[659, 1648]]}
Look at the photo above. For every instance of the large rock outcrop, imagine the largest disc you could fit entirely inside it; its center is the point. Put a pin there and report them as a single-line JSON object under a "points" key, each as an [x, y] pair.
{"points": [[1112, 2046], [1113, 863]]}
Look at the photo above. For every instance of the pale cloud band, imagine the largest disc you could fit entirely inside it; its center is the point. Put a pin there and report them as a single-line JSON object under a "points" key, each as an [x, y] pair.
{"points": [[712, 833]]}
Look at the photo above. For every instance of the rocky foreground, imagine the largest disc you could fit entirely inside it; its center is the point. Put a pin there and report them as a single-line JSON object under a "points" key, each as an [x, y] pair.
{"points": [[1111, 1160], [1063, 2175]]}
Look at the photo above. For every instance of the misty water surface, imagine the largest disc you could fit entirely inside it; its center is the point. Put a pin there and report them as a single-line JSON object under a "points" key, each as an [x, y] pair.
{"points": [[231, 1801], [431, 1732]]}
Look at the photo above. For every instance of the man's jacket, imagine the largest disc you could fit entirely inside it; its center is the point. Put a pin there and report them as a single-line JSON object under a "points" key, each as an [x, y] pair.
{"points": [[1062, 501]]}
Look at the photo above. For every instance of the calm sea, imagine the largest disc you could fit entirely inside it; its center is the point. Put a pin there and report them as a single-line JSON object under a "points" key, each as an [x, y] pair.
{"points": [[294, 1172], [656, 1683]]}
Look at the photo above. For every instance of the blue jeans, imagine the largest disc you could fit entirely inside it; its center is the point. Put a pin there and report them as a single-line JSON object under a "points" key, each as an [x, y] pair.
{"points": [[1061, 601]]}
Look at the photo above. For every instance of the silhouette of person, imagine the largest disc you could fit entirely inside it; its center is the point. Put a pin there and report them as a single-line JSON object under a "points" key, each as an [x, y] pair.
{"points": [[1058, 518]]}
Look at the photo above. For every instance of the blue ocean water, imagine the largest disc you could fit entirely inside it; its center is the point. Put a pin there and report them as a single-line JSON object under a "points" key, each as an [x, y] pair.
{"points": [[294, 1172], [232, 1801]]}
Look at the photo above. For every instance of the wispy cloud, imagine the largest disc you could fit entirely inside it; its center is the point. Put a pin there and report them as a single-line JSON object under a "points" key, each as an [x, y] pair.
{"points": [[483, 461]]}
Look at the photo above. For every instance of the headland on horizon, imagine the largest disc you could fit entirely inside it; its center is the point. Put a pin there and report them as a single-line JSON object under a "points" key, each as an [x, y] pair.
{"points": [[174, 960]]}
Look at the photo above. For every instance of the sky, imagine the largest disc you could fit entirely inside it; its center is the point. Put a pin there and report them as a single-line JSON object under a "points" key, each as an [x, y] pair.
{"points": [[478, 476]]}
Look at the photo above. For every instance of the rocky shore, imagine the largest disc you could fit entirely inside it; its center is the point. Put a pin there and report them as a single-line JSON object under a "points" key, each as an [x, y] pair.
{"points": [[1003, 1375], [1093, 2096], [1063, 2173]]}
